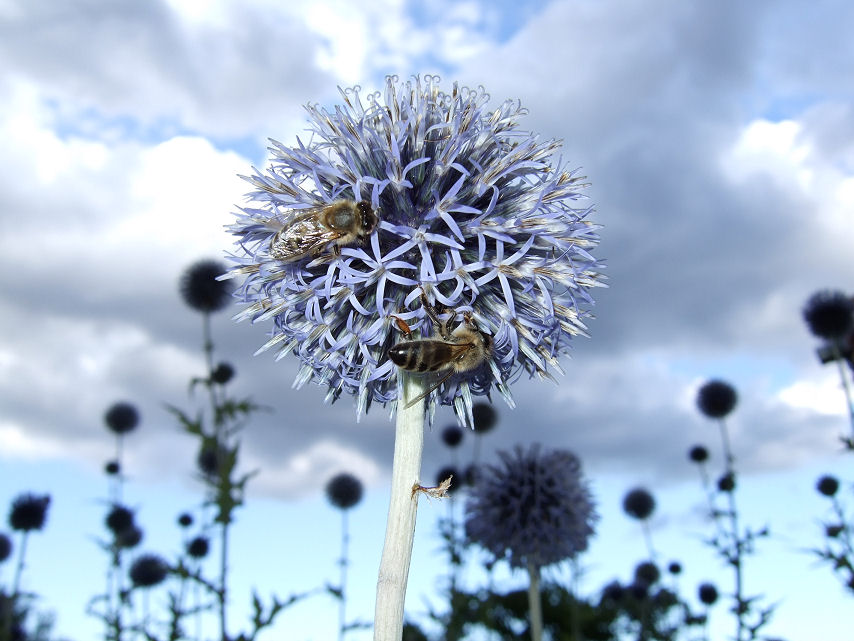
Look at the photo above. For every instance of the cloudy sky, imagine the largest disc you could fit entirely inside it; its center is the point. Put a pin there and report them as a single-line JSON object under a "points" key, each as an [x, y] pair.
{"points": [[718, 139]]}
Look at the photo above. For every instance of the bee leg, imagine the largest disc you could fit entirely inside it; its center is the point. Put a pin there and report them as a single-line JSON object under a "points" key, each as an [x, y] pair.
{"points": [[433, 314]]}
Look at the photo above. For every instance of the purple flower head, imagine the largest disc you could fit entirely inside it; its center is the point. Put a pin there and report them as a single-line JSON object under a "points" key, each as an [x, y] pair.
{"points": [[534, 508], [407, 191]]}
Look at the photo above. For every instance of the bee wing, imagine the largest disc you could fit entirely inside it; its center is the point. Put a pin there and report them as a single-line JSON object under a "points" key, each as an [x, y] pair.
{"points": [[432, 389], [458, 350], [303, 235]]}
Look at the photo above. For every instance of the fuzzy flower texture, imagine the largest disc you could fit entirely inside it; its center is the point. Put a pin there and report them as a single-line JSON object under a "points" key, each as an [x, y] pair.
{"points": [[535, 509], [407, 193]]}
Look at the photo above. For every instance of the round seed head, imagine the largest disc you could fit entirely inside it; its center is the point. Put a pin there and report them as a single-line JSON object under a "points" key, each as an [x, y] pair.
{"points": [[716, 399], [344, 491], [200, 288], [122, 418], [639, 503], [29, 512]]}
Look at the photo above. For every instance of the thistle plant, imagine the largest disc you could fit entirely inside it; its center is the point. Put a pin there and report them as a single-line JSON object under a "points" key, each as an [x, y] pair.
{"points": [[533, 510], [639, 503], [838, 549], [829, 314], [716, 399], [450, 204], [343, 491]]}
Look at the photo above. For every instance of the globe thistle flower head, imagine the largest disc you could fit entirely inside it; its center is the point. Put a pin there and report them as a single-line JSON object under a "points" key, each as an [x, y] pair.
{"points": [[201, 288], [471, 211], [674, 567], [452, 436], [148, 570], [121, 418], [185, 519], [119, 519], [484, 416], [129, 537], [29, 512], [829, 314], [198, 548], [222, 373], [613, 592], [827, 485], [716, 399], [112, 468], [833, 531], [344, 491], [726, 482], [639, 503], [5, 547], [698, 454], [533, 508], [647, 572], [707, 593]]}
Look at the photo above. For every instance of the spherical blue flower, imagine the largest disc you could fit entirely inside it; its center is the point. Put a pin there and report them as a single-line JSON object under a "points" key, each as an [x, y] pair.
{"points": [[535, 508], [448, 199]]}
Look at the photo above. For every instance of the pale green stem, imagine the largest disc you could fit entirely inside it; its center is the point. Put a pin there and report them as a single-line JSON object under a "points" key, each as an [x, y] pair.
{"points": [[534, 603], [403, 504]]}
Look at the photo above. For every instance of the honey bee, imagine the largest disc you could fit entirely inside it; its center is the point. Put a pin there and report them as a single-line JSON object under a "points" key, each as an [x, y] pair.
{"points": [[462, 350], [340, 223]]}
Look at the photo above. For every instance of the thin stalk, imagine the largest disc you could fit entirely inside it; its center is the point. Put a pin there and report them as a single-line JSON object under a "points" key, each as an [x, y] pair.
{"points": [[647, 537], [848, 401], [342, 606], [223, 585], [535, 605], [403, 505], [19, 568], [735, 552]]}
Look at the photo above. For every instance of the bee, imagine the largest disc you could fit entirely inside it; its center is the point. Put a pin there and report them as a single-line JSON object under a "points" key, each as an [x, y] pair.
{"points": [[309, 232], [462, 350]]}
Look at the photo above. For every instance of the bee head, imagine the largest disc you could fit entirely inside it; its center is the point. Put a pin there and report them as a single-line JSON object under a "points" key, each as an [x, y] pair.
{"points": [[367, 217]]}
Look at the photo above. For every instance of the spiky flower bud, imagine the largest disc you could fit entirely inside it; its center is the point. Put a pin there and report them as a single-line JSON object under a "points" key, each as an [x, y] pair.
{"points": [[452, 435], [29, 512], [829, 314], [344, 491], [201, 289], [148, 570], [408, 191], [534, 508], [119, 519], [639, 503], [698, 454], [198, 548], [5, 547], [485, 417], [716, 399], [707, 593], [726, 483], [222, 373], [647, 572], [828, 485], [122, 418]]}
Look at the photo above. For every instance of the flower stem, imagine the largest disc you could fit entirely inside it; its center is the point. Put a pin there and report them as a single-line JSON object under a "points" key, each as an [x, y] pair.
{"points": [[403, 504], [534, 604]]}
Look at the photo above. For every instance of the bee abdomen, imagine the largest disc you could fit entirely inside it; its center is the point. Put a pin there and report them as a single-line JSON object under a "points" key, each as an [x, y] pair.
{"points": [[420, 356]]}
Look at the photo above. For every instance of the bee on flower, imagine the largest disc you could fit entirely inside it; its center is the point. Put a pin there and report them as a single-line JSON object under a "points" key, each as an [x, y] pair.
{"points": [[409, 196]]}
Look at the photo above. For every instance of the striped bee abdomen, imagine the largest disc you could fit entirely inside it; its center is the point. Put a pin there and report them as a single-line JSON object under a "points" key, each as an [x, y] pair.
{"points": [[422, 355]]}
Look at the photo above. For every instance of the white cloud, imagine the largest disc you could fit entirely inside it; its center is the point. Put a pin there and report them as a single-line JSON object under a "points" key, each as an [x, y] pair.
{"points": [[820, 395]]}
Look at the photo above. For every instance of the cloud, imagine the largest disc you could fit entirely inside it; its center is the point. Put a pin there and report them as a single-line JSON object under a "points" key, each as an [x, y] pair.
{"points": [[720, 217]]}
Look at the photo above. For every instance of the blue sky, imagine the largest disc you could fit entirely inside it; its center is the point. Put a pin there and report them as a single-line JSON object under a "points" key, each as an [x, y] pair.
{"points": [[719, 142]]}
